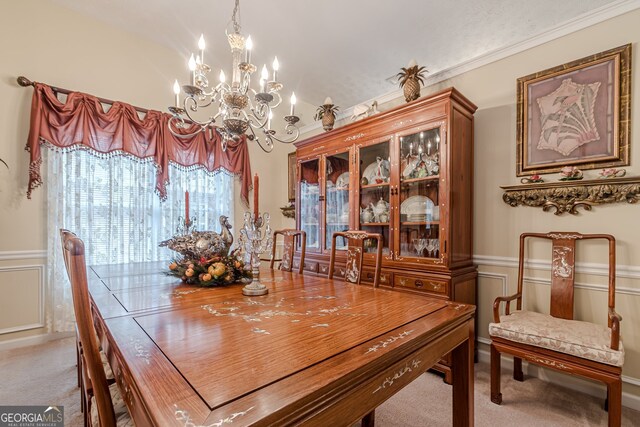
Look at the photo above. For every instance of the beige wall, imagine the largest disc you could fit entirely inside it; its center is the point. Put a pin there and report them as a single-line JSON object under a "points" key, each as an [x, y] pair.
{"points": [[51, 44], [497, 226]]}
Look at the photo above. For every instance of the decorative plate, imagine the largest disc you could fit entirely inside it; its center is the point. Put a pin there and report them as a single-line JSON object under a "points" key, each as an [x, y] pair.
{"points": [[417, 207], [343, 181], [375, 177]]}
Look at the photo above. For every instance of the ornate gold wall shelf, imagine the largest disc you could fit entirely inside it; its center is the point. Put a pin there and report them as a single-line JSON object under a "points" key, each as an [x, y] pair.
{"points": [[567, 196], [289, 211]]}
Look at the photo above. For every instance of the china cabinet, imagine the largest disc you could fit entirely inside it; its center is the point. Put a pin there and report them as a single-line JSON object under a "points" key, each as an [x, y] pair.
{"points": [[407, 174]]}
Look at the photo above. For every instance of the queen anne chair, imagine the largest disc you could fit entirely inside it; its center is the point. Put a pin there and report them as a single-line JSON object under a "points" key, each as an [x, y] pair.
{"points": [[289, 246], [108, 408], [355, 255], [556, 340]]}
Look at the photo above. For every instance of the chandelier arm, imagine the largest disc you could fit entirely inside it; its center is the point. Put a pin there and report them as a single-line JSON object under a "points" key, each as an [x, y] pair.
{"points": [[260, 119], [199, 123], [277, 94], [290, 130], [182, 122], [256, 138]]}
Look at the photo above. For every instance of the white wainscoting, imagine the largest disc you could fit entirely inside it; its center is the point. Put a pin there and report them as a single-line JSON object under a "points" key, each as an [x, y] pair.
{"points": [[7, 291]]}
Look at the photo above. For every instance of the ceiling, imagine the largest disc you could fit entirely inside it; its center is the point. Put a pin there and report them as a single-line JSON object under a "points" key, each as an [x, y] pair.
{"points": [[339, 48]]}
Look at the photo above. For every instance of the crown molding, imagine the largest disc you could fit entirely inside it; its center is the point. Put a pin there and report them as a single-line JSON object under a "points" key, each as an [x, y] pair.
{"points": [[578, 23]]}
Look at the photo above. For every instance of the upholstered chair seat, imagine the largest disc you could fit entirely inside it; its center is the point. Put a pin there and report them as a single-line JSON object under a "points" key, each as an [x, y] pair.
{"points": [[123, 419], [577, 338]]}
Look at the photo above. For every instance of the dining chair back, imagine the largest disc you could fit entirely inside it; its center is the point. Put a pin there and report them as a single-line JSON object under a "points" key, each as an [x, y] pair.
{"points": [[289, 246], [355, 250], [73, 252]]}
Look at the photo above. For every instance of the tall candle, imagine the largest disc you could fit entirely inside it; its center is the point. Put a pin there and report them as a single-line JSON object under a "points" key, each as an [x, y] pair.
{"points": [[186, 207], [256, 185]]}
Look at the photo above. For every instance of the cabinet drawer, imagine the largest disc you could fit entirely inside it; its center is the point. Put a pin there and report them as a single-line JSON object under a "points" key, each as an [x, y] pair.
{"points": [[368, 275], [422, 284], [310, 266], [323, 269]]}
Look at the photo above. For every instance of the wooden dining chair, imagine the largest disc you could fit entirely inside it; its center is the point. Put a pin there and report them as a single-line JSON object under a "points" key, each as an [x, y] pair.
{"points": [[84, 382], [108, 409], [556, 340], [355, 255], [289, 246]]}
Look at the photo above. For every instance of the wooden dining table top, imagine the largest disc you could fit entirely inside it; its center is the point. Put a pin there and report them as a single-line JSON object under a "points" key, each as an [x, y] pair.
{"points": [[312, 351]]}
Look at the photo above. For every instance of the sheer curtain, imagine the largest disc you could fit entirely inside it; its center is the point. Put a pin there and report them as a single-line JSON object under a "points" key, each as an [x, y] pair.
{"points": [[110, 203]]}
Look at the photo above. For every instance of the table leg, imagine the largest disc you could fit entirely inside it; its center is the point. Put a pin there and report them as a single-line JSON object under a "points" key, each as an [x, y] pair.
{"points": [[462, 371]]}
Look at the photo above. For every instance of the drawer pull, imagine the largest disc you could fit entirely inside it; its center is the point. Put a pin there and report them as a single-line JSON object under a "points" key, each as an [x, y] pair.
{"points": [[419, 283]]}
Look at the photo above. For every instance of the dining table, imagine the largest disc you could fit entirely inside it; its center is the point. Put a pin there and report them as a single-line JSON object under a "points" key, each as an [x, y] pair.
{"points": [[313, 351]]}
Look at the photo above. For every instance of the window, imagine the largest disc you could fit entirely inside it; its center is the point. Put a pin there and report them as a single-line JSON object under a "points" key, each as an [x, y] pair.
{"points": [[110, 203]]}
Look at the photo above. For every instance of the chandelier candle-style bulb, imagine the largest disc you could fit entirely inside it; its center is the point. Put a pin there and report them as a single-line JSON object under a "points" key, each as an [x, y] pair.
{"points": [[201, 46], [263, 77], [222, 77], [276, 67], [176, 91], [248, 48], [293, 103], [192, 68]]}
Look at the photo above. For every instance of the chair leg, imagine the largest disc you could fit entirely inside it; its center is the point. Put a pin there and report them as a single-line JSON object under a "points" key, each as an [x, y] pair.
{"points": [[87, 414], [517, 369], [614, 398], [496, 396], [369, 420], [78, 365]]}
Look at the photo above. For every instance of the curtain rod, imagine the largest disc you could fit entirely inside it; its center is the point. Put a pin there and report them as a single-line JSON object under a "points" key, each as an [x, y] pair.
{"points": [[24, 82]]}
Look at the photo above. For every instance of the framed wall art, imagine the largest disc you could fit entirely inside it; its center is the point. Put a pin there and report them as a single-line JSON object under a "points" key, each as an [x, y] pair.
{"points": [[575, 114], [292, 176]]}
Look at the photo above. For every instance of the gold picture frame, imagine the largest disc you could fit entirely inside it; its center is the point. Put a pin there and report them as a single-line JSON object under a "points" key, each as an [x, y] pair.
{"points": [[576, 114], [292, 180]]}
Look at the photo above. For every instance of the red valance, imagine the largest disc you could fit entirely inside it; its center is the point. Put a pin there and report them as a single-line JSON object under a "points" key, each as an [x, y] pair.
{"points": [[81, 121]]}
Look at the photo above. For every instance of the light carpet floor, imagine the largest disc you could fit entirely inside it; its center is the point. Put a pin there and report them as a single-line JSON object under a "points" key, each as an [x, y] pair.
{"points": [[46, 375]]}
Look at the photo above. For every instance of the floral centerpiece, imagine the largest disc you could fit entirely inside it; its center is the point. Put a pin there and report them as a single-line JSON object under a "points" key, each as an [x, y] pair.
{"points": [[215, 271], [206, 260]]}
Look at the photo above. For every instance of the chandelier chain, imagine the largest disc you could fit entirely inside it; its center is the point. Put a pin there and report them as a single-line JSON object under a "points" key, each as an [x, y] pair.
{"points": [[234, 19]]}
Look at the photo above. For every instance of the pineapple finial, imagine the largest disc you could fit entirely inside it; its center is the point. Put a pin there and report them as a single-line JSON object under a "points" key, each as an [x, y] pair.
{"points": [[410, 79]]}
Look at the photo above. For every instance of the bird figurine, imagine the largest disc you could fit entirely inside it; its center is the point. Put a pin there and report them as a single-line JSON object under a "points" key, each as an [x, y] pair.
{"points": [[203, 244]]}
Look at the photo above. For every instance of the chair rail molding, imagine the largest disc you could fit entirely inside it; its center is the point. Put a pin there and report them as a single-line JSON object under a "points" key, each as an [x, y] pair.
{"points": [[596, 269], [568, 196], [30, 254]]}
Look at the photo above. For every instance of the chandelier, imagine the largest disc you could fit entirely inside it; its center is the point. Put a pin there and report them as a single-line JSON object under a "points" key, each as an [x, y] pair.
{"points": [[241, 110]]}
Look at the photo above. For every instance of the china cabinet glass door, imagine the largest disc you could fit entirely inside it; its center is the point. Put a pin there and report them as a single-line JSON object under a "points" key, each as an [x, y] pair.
{"points": [[310, 202], [373, 180], [419, 197], [336, 197]]}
